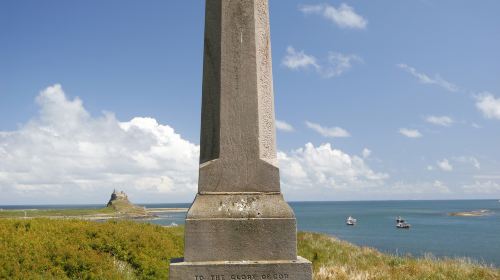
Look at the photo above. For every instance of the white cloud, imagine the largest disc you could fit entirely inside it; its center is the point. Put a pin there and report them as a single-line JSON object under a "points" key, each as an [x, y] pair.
{"points": [[324, 167], [410, 133], [445, 165], [487, 177], [489, 105], [284, 126], [296, 60], [344, 16], [420, 188], [475, 163], [440, 120], [469, 160], [366, 153], [66, 152], [332, 132], [426, 79], [336, 64], [441, 187], [482, 187]]}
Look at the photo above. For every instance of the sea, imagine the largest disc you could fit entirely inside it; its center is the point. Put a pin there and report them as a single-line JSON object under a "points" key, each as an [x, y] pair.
{"points": [[432, 232]]}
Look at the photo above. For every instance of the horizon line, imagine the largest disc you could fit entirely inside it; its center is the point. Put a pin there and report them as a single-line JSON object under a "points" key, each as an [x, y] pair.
{"points": [[291, 201]]}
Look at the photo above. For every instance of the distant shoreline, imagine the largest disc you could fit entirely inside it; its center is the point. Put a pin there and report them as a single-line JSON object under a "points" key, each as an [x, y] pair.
{"points": [[166, 210], [84, 214]]}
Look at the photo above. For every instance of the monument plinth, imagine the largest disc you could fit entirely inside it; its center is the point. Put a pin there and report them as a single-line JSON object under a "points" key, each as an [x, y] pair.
{"points": [[239, 226]]}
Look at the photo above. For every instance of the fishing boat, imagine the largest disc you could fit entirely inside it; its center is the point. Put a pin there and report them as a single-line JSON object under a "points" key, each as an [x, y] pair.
{"points": [[350, 221], [401, 223]]}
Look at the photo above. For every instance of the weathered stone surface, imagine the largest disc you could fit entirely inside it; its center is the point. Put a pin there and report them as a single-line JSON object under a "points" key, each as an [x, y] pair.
{"points": [[246, 226], [240, 239], [239, 226], [241, 205], [238, 149], [299, 269]]}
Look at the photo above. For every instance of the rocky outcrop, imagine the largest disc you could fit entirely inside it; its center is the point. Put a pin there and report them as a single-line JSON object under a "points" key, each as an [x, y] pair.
{"points": [[476, 213], [120, 203], [118, 196]]}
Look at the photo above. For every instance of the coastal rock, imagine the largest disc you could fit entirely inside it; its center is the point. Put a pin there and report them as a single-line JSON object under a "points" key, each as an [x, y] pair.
{"points": [[120, 203], [476, 213]]}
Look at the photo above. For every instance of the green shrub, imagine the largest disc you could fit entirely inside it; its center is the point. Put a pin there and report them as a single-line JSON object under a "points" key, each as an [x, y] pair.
{"points": [[335, 259], [75, 249]]}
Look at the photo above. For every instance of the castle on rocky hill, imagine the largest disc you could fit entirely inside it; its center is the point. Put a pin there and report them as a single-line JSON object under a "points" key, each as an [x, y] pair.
{"points": [[121, 195], [120, 203]]}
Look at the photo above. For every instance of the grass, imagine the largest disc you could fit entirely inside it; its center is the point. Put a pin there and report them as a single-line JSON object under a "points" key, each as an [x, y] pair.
{"points": [[117, 209], [336, 259], [75, 249], [125, 207], [55, 212]]}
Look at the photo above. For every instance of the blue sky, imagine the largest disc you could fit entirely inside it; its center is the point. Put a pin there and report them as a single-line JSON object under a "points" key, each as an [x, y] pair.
{"points": [[383, 99]]}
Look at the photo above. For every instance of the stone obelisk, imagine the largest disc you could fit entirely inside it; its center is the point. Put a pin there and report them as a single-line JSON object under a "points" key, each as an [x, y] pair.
{"points": [[239, 226]]}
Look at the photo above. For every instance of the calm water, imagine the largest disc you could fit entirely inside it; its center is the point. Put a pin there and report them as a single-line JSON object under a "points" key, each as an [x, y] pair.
{"points": [[432, 230]]}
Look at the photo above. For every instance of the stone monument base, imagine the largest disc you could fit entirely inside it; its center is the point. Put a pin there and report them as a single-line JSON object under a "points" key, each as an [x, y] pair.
{"points": [[241, 270], [240, 226]]}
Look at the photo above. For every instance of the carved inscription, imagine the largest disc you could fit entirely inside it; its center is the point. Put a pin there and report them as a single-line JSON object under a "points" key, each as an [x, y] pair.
{"points": [[242, 276]]}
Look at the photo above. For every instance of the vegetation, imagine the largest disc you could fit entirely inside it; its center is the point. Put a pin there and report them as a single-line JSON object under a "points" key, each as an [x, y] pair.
{"points": [[125, 207], [117, 210], [75, 249], [335, 259], [35, 213]]}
